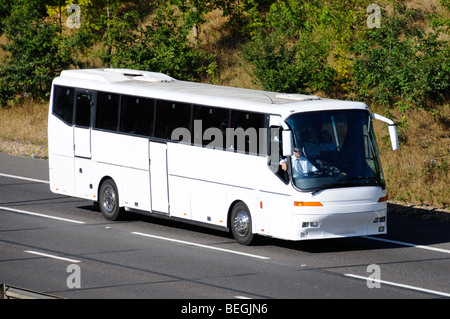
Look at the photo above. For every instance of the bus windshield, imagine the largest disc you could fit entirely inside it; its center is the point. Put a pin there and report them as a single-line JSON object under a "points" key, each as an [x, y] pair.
{"points": [[334, 149]]}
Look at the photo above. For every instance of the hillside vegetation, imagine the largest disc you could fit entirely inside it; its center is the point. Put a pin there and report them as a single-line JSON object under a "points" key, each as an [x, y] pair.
{"points": [[391, 54]]}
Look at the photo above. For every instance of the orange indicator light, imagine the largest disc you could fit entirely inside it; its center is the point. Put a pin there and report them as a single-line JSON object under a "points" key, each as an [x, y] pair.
{"points": [[309, 204]]}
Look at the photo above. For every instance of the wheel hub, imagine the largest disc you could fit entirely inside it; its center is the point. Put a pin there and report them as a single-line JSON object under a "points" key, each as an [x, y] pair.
{"points": [[241, 223], [109, 200]]}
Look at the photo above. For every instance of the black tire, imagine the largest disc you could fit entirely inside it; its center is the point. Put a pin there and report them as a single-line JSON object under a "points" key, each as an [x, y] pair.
{"points": [[241, 224], [109, 201]]}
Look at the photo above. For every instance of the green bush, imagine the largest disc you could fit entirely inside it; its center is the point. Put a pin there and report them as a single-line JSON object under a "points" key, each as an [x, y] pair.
{"points": [[400, 64], [36, 52], [112, 34], [285, 59], [162, 46]]}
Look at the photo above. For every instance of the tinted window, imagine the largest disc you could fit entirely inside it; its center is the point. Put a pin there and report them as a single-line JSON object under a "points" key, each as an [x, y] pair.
{"points": [[171, 115], [137, 115], [63, 103], [245, 134], [107, 111], [83, 109], [334, 149], [211, 130]]}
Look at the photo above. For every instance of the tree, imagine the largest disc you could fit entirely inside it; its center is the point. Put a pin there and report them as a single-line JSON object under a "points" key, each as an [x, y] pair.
{"points": [[162, 45], [400, 64], [285, 53], [35, 52], [152, 36]]}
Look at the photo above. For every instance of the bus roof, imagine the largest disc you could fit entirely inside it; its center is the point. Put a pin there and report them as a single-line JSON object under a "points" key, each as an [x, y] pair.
{"points": [[161, 86]]}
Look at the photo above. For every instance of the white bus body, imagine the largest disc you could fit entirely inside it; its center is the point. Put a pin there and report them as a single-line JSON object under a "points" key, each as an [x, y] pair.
{"points": [[111, 140]]}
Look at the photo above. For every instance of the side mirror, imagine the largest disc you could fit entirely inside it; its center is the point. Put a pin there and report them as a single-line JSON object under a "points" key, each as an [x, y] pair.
{"points": [[287, 143], [392, 129], [394, 136]]}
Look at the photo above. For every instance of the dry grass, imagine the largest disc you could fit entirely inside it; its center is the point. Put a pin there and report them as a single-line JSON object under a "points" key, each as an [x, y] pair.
{"points": [[418, 173], [23, 129], [215, 37]]}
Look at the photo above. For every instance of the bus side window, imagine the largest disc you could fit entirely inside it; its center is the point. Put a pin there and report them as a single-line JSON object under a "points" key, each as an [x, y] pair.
{"points": [[214, 122], [170, 116], [63, 103], [107, 111], [137, 115], [83, 109], [246, 127]]}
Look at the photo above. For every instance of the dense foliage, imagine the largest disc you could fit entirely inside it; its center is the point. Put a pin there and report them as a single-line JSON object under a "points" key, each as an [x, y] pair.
{"points": [[328, 47], [312, 47]]}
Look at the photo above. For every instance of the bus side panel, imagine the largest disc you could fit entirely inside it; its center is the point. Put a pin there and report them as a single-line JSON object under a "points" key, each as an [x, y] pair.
{"points": [[278, 215], [252, 199], [136, 189], [208, 202], [120, 149], [62, 179], [207, 182], [128, 165], [180, 197], [89, 174], [86, 178], [61, 164]]}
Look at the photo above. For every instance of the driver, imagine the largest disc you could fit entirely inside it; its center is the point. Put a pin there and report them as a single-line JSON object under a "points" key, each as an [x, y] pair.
{"points": [[300, 165]]}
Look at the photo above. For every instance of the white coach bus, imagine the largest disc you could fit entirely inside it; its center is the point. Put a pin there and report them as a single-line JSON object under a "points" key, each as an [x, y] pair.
{"points": [[288, 166]]}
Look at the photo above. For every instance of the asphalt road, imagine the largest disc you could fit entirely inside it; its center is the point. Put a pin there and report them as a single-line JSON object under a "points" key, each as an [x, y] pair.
{"points": [[58, 245]]}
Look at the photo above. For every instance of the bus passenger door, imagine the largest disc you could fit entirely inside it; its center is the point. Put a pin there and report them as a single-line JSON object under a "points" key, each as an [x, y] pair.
{"points": [[158, 178], [82, 129]]}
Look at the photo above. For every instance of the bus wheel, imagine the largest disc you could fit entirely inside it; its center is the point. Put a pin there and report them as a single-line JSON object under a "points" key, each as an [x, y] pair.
{"points": [[109, 200], [241, 224]]}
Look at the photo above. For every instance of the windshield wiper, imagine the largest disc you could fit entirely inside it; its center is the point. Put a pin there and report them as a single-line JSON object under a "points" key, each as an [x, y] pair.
{"points": [[344, 183], [327, 186], [360, 178]]}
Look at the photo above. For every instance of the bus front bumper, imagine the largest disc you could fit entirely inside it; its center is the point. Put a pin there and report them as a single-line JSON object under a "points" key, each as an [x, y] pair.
{"points": [[317, 226]]}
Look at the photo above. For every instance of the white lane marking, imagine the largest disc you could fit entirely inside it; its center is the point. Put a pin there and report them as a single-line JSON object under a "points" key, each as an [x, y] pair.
{"points": [[25, 178], [199, 245], [41, 215], [435, 292], [409, 244], [52, 256]]}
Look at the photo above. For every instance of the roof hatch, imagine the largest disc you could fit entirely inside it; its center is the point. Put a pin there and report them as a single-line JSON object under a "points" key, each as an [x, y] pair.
{"points": [[142, 75]]}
